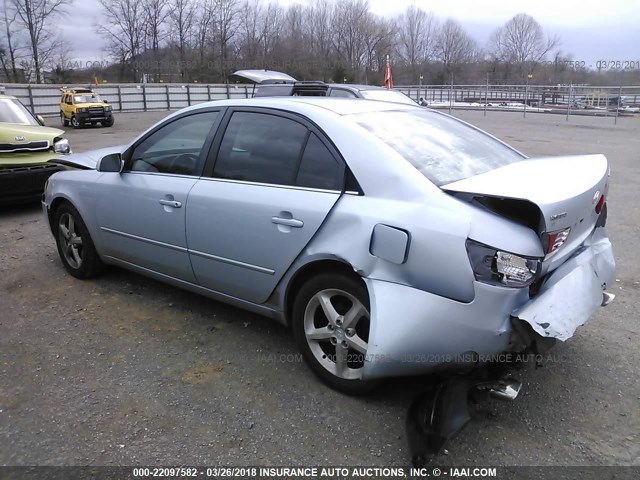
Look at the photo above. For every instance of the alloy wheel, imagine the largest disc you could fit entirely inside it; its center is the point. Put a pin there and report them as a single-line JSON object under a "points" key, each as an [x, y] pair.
{"points": [[336, 327], [70, 240]]}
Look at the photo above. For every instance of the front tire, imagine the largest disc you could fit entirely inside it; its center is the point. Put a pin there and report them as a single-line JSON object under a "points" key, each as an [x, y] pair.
{"points": [[108, 123], [331, 322], [75, 247]]}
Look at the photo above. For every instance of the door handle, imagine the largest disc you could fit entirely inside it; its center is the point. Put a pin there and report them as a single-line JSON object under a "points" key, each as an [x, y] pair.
{"points": [[171, 203], [289, 222]]}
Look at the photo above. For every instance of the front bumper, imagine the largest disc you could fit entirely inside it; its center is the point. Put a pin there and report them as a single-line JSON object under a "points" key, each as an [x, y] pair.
{"points": [[87, 117], [414, 332], [23, 184]]}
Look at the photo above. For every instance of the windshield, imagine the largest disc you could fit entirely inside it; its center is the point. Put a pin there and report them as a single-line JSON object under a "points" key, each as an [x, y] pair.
{"points": [[87, 98], [387, 96], [440, 147], [12, 111]]}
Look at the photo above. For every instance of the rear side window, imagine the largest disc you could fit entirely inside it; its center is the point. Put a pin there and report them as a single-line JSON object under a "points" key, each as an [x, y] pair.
{"points": [[319, 168], [259, 147], [341, 93], [440, 147]]}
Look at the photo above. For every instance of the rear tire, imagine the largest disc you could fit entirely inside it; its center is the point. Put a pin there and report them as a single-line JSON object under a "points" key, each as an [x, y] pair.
{"points": [[75, 247], [63, 120], [330, 321]]}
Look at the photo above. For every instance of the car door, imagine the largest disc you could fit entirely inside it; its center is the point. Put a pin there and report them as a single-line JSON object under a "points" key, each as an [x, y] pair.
{"points": [[141, 211], [270, 182], [66, 105]]}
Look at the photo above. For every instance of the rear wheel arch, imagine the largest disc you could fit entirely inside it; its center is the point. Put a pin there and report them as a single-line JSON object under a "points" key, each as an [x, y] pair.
{"points": [[310, 270]]}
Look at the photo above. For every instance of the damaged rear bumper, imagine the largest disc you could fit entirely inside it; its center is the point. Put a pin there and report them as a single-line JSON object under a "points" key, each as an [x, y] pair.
{"points": [[414, 332], [573, 292]]}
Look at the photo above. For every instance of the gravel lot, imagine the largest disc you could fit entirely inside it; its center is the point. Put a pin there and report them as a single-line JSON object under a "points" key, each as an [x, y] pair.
{"points": [[122, 370]]}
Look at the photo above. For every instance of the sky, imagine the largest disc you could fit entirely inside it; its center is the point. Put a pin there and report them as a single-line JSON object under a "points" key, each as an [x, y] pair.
{"points": [[590, 30]]}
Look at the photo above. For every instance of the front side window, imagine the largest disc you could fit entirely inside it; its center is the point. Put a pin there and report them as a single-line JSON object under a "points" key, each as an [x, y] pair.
{"points": [[440, 147], [176, 147], [262, 148]]}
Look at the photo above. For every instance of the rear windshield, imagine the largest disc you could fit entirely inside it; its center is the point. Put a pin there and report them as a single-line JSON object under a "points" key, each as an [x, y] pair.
{"points": [[440, 147], [387, 96]]}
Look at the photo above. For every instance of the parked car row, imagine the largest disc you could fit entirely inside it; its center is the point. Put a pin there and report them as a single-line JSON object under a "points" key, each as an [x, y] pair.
{"points": [[26, 146]]}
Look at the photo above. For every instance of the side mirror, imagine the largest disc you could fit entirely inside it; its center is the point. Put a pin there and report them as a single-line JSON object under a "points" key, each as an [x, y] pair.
{"points": [[111, 163], [104, 101], [40, 120]]}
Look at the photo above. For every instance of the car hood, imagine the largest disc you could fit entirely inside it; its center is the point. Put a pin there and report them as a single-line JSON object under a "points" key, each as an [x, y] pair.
{"points": [[92, 104], [87, 160], [9, 132]]}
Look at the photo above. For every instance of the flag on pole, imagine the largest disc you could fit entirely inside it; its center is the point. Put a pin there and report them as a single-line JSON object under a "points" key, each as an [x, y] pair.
{"points": [[388, 77]]}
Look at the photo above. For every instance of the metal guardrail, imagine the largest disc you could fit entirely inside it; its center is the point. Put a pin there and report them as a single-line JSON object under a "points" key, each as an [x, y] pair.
{"points": [[560, 99], [45, 99], [566, 99]]}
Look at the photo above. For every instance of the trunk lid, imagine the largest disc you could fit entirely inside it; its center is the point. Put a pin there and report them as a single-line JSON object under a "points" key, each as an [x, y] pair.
{"points": [[564, 189], [262, 76]]}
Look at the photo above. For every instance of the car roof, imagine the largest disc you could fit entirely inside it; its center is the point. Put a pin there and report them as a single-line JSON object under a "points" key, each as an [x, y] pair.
{"points": [[355, 86], [339, 106], [77, 90], [10, 97]]}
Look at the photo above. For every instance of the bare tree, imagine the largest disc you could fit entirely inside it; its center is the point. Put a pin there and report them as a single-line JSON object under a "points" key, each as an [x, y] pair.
{"points": [[319, 28], [225, 23], [9, 54], [349, 21], [416, 37], [378, 35], [522, 41], [60, 64], [122, 27], [33, 16], [182, 21], [454, 46], [270, 28], [155, 14], [249, 31], [203, 24]]}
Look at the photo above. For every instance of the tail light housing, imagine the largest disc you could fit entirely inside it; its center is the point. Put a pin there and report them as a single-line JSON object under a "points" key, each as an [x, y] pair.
{"points": [[505, 269], [601, 202], [556, 239]]}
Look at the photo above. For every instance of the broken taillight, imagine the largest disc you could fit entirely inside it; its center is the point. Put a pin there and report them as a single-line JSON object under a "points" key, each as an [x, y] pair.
{"points": [[557, 239], [603, 198], [601, 202]]}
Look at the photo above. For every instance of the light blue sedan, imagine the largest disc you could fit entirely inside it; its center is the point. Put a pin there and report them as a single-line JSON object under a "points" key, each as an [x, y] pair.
{"points": [[392, 239]]}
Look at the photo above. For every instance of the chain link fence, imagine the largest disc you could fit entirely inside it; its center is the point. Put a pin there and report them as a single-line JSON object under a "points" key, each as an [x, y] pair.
{"points": [[564, 100]]}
